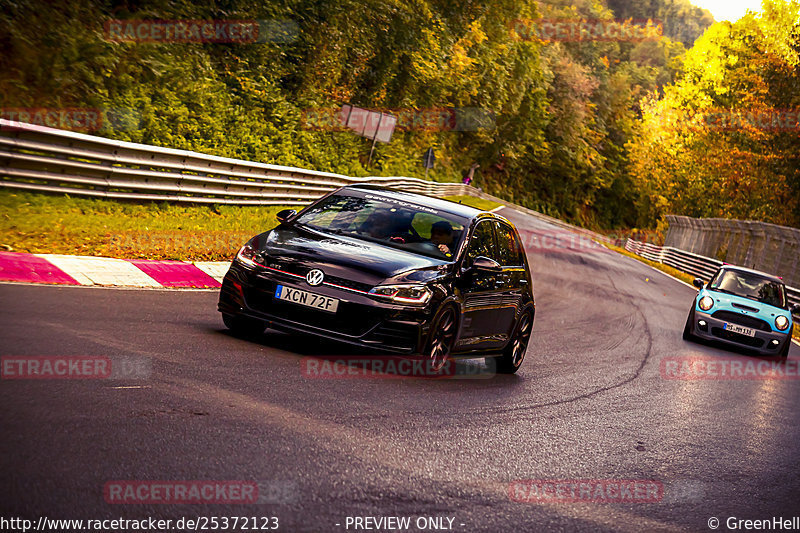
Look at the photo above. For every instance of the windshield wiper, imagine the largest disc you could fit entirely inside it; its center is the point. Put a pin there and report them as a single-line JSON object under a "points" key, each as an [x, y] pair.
{"points": [[336, 231]]}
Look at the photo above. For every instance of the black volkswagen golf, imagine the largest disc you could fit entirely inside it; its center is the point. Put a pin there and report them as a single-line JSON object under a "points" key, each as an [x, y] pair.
{"points": [[391, 271]]}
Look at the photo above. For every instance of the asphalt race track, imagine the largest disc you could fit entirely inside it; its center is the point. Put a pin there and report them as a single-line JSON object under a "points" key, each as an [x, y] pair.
{"points": [[591, 402]]}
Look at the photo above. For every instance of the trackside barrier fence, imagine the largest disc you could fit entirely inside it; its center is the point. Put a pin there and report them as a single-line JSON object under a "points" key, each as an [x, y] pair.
{"points": [[760, 245], [694, 264], [43, 159], [46, 159]]}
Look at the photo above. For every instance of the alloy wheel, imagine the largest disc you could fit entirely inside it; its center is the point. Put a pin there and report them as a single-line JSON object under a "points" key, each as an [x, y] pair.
{"points": [[520, 342], [442, 339]]}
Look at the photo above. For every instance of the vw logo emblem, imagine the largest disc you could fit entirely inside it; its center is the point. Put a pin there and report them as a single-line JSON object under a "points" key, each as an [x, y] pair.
{"points": [[315, 277]]}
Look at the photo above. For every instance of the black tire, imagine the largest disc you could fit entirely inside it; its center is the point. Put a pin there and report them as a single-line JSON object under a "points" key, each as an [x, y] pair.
{"points": [[441, 338], [514, 353], [784, 353], [687, 329], [244, 326]]}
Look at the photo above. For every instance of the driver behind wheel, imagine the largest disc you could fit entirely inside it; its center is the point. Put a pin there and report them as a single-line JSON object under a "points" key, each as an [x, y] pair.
{"points": [[442, 237], [378, 225]]}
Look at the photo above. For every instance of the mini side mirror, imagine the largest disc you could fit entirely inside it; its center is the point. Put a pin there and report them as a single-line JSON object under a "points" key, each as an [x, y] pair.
{"points": [[285, 215], [486, 264], [698, 283], [796, 309]]}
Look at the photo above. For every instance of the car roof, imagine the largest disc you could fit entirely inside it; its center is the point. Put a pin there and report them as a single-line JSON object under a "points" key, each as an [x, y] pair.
{"points": [[439, 204], [751, 271]]}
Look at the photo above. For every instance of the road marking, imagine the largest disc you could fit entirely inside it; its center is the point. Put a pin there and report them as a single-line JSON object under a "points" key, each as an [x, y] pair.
{"points": [[88, 270], [215, 269], [110, 287]]}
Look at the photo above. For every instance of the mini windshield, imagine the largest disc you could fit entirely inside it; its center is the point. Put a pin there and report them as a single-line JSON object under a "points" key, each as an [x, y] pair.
{"points": [[398, 224], [750, 286]]}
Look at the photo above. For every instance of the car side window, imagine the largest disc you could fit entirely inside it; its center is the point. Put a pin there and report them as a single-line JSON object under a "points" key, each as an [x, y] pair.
{"points": [[508, 246], [482, 243]]}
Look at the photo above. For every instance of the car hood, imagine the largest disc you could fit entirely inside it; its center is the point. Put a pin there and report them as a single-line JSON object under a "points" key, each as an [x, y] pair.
{"points": [[745, 306], [299, 249]]}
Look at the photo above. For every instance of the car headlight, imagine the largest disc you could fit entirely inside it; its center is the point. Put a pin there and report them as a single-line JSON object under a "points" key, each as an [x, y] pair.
{"points": [[705, 303], [404, 294], [781, 322], [248, 256]]}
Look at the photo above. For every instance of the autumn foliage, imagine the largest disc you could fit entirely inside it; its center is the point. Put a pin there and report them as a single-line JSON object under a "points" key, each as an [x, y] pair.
{"points": [[610, 132]]}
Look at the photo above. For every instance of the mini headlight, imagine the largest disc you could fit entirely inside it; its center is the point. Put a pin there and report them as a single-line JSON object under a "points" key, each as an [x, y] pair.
{"points": [[781, 322], [705, 303], [248, 256], [404, 294]]}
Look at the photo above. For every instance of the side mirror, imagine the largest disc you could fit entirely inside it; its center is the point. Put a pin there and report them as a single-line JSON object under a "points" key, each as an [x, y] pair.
{"points": [[796, 309], [698, 283], [486, 264], [285, 215]]}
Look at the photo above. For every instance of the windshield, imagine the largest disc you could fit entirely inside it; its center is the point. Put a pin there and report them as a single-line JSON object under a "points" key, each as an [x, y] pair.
{"points": [[750, 286], [398, 224]]}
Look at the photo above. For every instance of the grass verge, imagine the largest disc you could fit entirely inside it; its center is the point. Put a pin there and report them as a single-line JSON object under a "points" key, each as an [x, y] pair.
{"points": [[683, 276], [60, 224], [41, 223], [477, 203]]}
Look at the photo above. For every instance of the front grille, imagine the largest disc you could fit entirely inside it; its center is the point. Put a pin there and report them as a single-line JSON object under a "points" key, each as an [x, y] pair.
{"points": [[291, 268], [742, 320], [348, 319], [300, 270], [738, 337], [350, 284]]}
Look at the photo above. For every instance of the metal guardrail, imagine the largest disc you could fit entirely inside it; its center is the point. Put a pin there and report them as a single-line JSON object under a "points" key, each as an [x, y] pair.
{"points": [[694, 264], [760, 245], [45, 159]]}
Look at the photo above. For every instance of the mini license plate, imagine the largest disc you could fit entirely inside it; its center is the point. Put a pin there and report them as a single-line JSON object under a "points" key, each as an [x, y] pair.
{"points": [[734, 328], [309, 299]]}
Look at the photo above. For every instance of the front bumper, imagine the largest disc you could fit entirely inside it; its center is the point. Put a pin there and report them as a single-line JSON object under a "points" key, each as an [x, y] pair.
{"points": [[765, 342], [360, 320]]}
